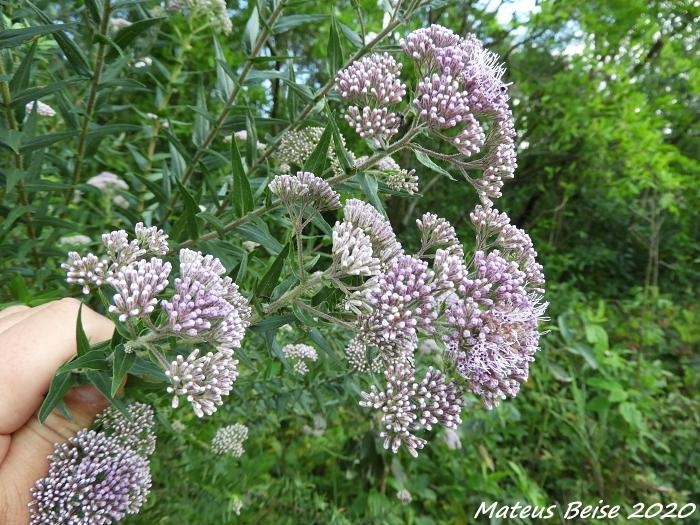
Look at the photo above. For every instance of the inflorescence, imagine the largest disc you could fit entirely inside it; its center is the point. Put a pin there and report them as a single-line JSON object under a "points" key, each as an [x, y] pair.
{"points": [[481, 313], [460, 99], [98, 477], [202, 305]]}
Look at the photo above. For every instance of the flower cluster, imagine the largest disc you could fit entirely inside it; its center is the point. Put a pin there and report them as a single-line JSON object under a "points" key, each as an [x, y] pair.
{"points": [[394, 176], [460, 98], [364, 216], [98, 477], [42, 109], [482, 316], [203, 381], [296, 146], [304, 189], [110, 183], [352, 251], [229, 440], [298, 355], [90, 270], [373, 83], [408, 406], [206, 305], [437, 232], [212, 10]]}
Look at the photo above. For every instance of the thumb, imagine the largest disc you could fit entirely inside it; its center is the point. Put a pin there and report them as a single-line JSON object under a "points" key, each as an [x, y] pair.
{"points": [[27, 457]]}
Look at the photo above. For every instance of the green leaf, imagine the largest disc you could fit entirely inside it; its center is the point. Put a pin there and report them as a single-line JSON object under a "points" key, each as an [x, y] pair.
{"points": [[95, 11], [126, 35], [338, 146], [103, 383], [271, 277], [81, 340], [632, 415], [585, 352], [559, 373], [597, 336], [241, 193], [20, 98], [224, 80], [188, 223], [256, 230], [123, 362], [17, 37], [334, 50], [285, 23], [369, 186], [251, 153], [318, 160], [428, 163], [60, 385], [252, 29], [352, 36], [201, 120], [91, 360], [20, 80]]}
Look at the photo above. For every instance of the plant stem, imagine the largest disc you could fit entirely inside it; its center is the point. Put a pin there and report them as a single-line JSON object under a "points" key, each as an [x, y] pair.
{"points": [[262, 210], [393, 24], [19, 164], [291, 296], [91, 102], [216, 126]]}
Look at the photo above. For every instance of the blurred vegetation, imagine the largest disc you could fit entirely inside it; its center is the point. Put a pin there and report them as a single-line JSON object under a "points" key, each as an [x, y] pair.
{"points": [[606, 97]]}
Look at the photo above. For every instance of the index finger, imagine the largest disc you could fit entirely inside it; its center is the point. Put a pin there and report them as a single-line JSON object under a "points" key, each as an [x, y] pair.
{"points": [[32, 349]]}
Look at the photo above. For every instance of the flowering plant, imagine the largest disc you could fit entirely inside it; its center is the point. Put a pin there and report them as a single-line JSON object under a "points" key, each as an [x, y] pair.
{"points": [[308, 211]]}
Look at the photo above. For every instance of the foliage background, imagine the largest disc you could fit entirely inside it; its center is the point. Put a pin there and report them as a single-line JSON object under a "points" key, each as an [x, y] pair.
{"points": [[606, 99]]}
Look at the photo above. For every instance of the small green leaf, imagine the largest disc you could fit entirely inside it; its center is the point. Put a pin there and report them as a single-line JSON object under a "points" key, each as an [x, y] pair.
{"points": [[251, 153], [188, 223], [92, 360], [334, 50], [224, 81], [81, 340], [252, 29], [126, 35], [318, 160], [428, 163], [17, 37], [272, 275], [201, 121], [20, 80], [123, 362], [370, 187], [632, 415], [256, 230], [351, 35], [60, 385], [103, 382], [285, 23], [241, 193], [559, 373], [338, 146]]}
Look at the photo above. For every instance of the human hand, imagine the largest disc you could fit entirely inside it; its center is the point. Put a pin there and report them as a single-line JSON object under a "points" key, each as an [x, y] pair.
{"points": [[34, 342]]}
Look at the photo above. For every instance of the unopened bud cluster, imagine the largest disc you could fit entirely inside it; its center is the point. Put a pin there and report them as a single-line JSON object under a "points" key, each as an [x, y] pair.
{"points": [[202, 305], [98, 477]]}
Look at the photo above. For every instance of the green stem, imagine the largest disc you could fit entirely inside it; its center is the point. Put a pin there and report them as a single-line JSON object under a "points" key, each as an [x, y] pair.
{"points": [[218, 123], [19, 164], [262, 210], [91, 102], [292, 296], [169, 89]]}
